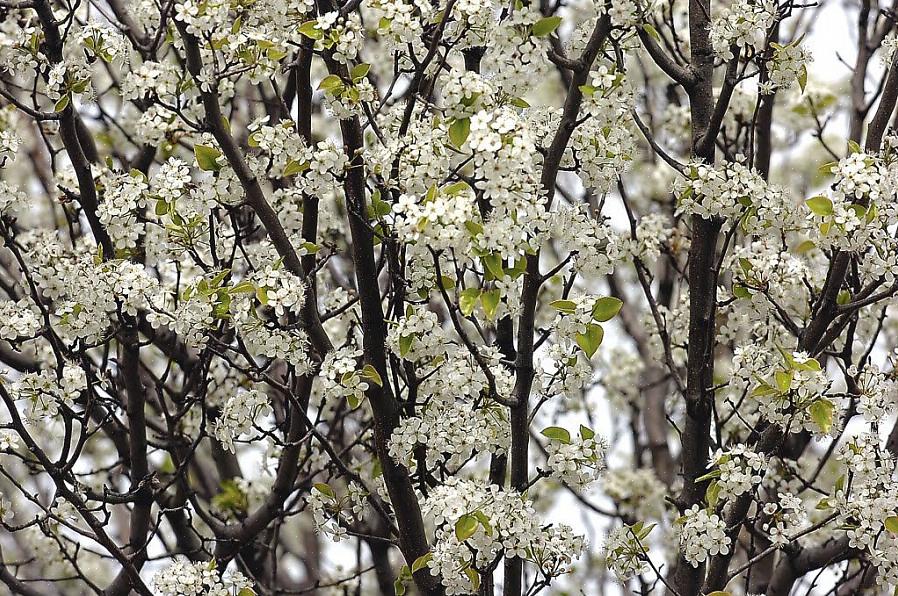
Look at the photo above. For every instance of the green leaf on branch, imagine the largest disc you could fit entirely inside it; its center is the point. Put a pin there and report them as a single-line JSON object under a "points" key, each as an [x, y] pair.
{"points": [[556, 433], [546, 26], [459, 131], [370, 373], [821, 206], [822, 411], [606, 308], [207, 158], [590, 341], [465, 527]]}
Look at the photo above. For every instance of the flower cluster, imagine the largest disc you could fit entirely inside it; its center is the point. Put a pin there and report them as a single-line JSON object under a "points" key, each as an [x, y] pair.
{"points": [[577, 461], [183, 578], [743, 24], [477, 521], [238, 416], [724, 190], [738, 470], [702, 535]]}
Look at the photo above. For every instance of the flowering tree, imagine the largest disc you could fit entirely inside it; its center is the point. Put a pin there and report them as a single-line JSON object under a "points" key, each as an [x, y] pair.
{"points": [[387, 296]]}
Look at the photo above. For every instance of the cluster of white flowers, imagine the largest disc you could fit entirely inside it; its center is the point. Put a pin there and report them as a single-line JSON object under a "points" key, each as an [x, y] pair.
{"points": [[518, 55], [876, 392], [281, 143], [784, 518], [577, 461], [18, 319], [123, 195], [503, 149], [477, 521], [702, 535], [340, 377], [464, 93], [45, 393], [438, 219], [343, 36], [740, 470], [724, 190], [625, 554], [330, 511], [269, 341], [161, 79], [451, 432], [183, 578], [417, 336], [743, 24], [788, 66], [282, 291], [238, 416], [794, 397]]}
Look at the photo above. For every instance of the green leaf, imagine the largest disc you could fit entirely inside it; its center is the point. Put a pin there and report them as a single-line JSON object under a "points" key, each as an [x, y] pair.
{"points": [[784, 380], [545, 26], [325, 489], [467, 301], [459, 131], [310, 29], [740, 291], [62, 103], [590, 341], [565, 306], [330, 83], [586, 432], [821, 206], [712, 494], [399, 587], [493, 264], [653, 33], [891, 524], [719, 593], [421, 562], [370, 373], [803, 77], [606, 308], [294, 167], [161, 208], [465, 527], [359, 71], [244, 287], [490, 301], [405, 344], [822, 411], [844, 297], [556, 433], [474, 577], [854, 147], [207, 158]]}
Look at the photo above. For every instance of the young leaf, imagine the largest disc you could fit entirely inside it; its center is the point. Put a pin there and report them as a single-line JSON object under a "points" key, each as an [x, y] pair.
{"points": [[821, 206], [606, 308], [590, 341], [465, 527], [565, 306], [490, 301], [556, 433], [370, 373], [545, 26], [421, 562], [822, 411], [459, 131], [207, 158], [467, 301]]}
